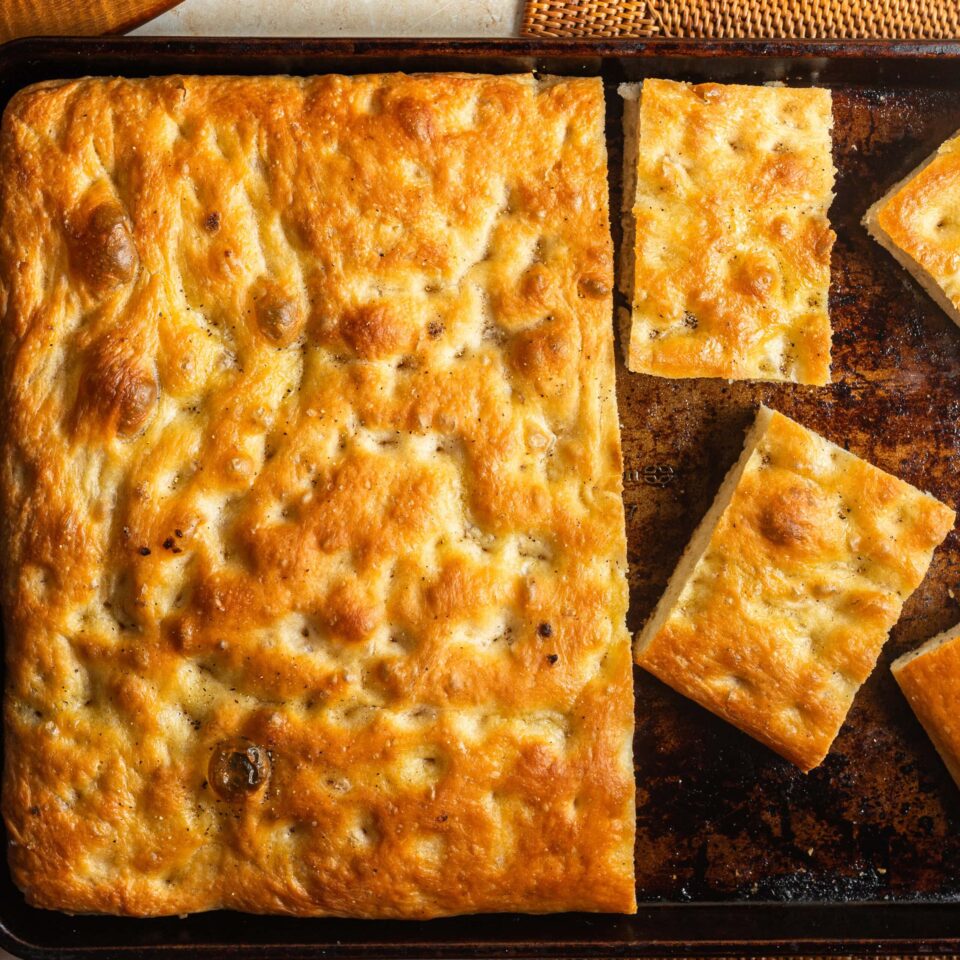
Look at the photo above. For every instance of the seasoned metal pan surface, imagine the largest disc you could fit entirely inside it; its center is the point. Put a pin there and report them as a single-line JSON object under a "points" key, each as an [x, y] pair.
{"points": [[737, 852]]}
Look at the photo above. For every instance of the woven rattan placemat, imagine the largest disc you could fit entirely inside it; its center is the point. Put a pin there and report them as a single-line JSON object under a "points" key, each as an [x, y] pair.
{"points": [[877, 19]]}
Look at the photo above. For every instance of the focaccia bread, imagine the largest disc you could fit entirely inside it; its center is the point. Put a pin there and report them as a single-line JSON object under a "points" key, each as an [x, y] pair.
{"points": [[930, 680], [730, 265], [918, 222], [313, 544], [780, 604]]}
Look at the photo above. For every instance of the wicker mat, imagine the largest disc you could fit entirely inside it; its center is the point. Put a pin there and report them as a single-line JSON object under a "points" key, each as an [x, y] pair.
{"points": [[876, 19]]}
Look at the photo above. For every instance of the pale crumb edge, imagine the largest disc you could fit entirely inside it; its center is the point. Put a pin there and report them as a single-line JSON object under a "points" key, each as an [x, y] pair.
{"points": [[944, 637], [624, 319], [700, 540], [630, 92]]}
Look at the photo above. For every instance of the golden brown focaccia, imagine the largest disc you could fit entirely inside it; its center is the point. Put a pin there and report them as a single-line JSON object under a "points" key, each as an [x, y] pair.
{"points": [[930, 680], [314, 556], [780, 605], [918, 222], [727, 240]]}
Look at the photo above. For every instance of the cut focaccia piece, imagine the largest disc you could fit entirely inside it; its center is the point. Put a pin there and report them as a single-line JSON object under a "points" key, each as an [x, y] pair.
{"points": [[730, 187], [778, 609], [930, 680], [918, 222]]}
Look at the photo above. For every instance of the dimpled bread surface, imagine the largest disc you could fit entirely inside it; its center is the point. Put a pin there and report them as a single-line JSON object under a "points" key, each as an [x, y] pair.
{"points": [[778, 610], [313, 544], [732, 242]]}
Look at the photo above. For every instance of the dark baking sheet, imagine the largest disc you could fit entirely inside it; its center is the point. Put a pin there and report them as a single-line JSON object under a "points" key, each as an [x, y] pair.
{"points": [[737, 852]]}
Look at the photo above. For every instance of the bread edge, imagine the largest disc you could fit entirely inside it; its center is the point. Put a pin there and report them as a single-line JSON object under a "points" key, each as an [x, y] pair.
{"points": [[700, 539], [950, 759], [915, 269], [630, 94]]}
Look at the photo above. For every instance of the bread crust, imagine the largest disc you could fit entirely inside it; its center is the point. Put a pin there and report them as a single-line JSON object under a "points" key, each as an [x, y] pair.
{"points": [[732, 241], [778, 614], [930, 680], [918, 221], [314, 553]]}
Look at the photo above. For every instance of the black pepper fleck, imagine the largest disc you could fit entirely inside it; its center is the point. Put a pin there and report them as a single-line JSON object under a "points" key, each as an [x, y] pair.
{"points": [[545, 630], [144, 551], [552, 658]]}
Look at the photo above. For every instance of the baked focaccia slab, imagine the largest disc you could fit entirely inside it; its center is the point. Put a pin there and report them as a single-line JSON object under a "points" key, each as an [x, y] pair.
{"points": [[314, 554], [918, 222], [781, 603], [729, 267], [930, 680]]}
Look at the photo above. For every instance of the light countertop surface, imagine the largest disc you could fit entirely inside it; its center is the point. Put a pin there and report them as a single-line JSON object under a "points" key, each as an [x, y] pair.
{"points": [[339, 18]]}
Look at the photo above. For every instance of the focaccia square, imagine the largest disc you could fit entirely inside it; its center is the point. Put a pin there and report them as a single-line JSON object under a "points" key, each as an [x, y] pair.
{"points": [[778, 608], [930, 680], [727, 240], [918, 222], [313, 544]]}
